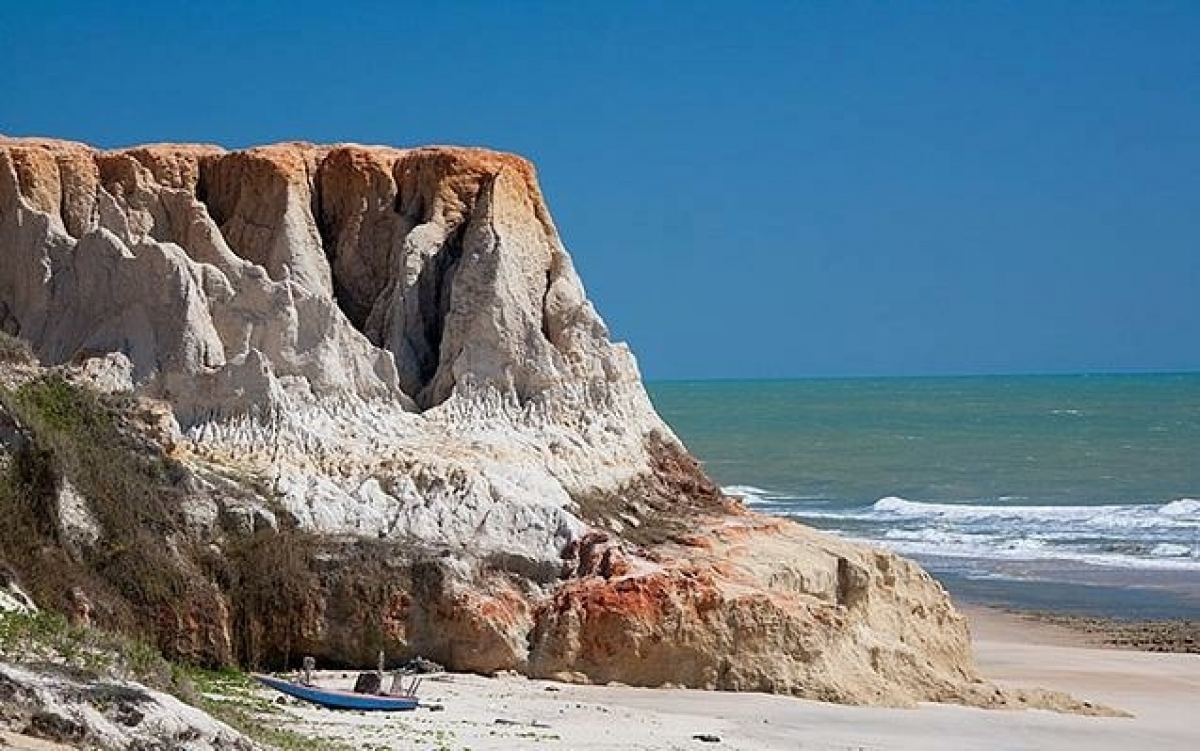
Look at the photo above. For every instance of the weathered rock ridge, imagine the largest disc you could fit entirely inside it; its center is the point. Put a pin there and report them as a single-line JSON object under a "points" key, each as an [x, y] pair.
{"points": [[387, 394]]}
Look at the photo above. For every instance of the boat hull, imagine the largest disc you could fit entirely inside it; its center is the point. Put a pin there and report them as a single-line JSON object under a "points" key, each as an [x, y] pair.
{"points": [[338, 699]]}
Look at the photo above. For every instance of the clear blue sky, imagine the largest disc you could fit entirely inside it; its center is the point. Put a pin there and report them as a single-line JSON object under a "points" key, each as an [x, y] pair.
{"points": [[748, 189]]}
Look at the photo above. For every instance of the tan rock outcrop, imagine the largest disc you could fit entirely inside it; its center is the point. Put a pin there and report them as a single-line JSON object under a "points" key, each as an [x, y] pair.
{"points": [[388, 352], [754, 604]]}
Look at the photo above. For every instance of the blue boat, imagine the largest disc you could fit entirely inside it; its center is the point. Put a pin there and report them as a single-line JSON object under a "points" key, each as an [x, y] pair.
{"points": [[339, 699]]}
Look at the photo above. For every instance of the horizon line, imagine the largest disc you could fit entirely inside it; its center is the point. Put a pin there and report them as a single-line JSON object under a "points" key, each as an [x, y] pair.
{"points": [[923, 376]]}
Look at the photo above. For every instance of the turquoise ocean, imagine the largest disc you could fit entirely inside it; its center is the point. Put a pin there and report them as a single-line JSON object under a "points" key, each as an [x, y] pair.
{"points": [[1069, 493]]}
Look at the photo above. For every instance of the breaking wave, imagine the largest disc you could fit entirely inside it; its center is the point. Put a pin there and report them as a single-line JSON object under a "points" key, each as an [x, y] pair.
{"points": [[1162, 536]]}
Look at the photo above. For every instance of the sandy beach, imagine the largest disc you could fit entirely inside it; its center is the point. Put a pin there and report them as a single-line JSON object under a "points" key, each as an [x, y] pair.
{"points": [[510, 712]]}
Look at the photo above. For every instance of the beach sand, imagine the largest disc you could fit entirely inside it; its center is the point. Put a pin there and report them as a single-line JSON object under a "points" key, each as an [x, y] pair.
{"points": [[1161, 691]]}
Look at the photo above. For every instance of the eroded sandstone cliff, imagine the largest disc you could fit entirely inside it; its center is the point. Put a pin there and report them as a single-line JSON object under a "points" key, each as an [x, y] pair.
{"points": [[383, 392]]}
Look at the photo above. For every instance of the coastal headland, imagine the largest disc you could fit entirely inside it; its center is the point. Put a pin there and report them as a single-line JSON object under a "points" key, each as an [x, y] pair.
{"points": [[337, 400]]}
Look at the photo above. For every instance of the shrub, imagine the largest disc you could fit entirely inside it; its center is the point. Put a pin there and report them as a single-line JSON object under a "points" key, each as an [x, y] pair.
{"points": [[132, 491], [14, 350], [45, 636], [274, 594]]}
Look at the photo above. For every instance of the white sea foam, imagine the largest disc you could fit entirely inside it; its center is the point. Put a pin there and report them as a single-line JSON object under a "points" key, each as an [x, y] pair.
{"points": [[745, 490], [751, 495], [765, 499], [1141, 536], [965, 543], [1032, 550], [1184, 513], [936, 537], [1184, 508], [1172, 550], [1136, 536]]}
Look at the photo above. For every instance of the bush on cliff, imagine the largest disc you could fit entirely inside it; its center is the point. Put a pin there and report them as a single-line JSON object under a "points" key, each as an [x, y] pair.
{"points": [[272, 585], [143, 575], [14, 350], [34, 638], [70, 434]]}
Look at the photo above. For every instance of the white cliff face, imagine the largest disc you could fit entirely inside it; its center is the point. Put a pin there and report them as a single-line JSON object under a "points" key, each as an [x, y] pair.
{"points": [[148, 273], [392, 347], [395, 340]]}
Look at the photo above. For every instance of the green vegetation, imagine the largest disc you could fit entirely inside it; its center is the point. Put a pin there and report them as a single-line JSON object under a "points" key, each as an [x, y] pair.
{"points": [[271, 583], [96, 655], [133, 491], [142, 573], [49, 637], [229, 696], [14, 350]]}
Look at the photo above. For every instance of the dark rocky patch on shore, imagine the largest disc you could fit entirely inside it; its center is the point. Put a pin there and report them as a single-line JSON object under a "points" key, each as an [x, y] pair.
{"points": [[1179, 636]]}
